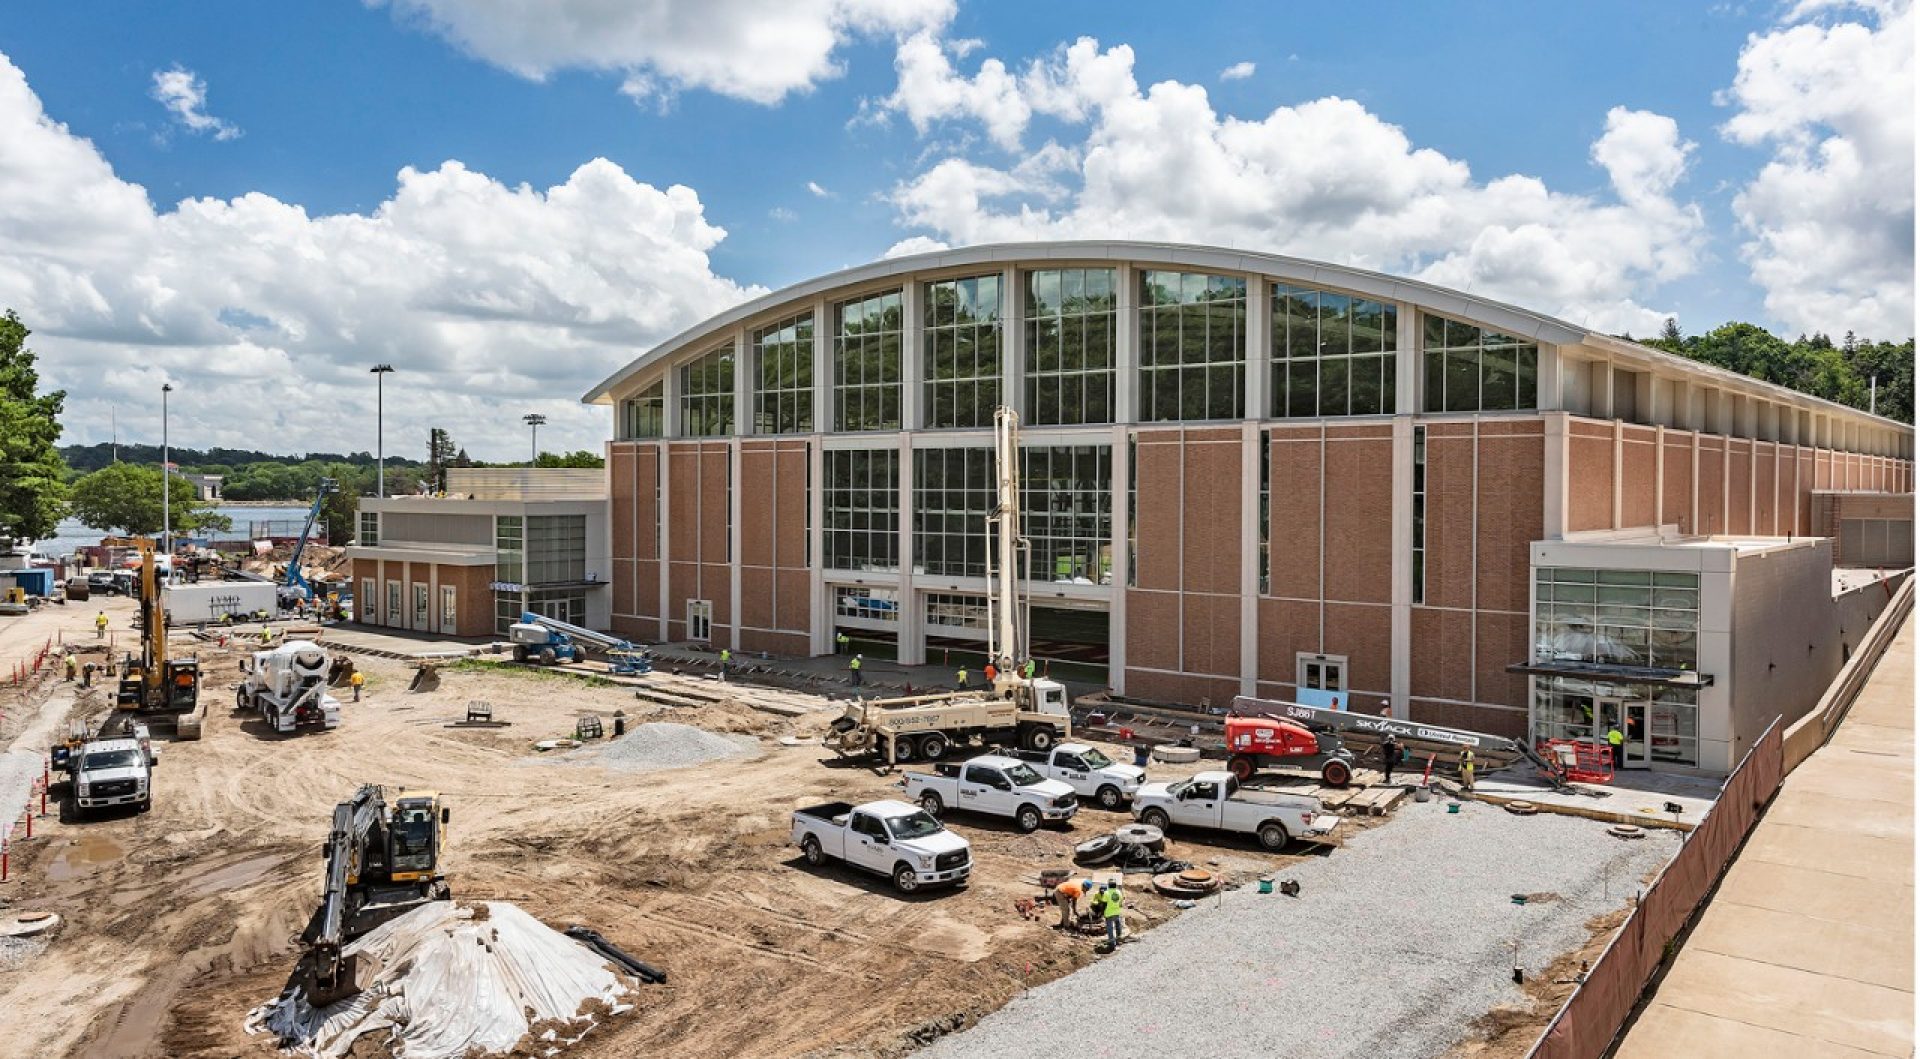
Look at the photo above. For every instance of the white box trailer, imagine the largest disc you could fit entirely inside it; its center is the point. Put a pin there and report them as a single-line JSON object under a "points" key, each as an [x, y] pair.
{"points": [[209, 601]]}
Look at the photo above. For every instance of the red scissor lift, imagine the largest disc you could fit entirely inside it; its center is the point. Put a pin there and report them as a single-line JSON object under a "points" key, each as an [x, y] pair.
{"points": [[1584, 761]]}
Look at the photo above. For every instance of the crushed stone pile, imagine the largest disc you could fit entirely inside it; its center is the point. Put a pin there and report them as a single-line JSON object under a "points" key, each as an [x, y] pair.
{"points": [[447, 981], [658, 746]]}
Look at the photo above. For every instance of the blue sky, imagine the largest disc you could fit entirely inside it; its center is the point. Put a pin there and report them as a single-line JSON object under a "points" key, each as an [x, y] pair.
{"points": [[332, 100]]}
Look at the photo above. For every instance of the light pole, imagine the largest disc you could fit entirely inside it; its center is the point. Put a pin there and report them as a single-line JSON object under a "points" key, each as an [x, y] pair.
{"points": [[380, 373], [534, 420], [166, 476]]}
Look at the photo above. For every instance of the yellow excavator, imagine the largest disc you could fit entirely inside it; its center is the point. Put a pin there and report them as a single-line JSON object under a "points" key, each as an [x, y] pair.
{"points": [[383, 860], [156, 682]]}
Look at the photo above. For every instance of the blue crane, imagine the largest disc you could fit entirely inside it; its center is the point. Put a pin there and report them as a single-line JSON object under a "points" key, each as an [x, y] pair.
{"points": [[297, 584]]}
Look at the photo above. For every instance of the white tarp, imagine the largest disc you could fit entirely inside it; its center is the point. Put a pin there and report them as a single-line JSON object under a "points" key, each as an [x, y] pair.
{"points": [[445, 979]]}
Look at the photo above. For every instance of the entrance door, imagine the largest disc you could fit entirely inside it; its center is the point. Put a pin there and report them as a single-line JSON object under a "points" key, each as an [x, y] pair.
{"points": [[1636, 749], [449, 601], [699, 620]]}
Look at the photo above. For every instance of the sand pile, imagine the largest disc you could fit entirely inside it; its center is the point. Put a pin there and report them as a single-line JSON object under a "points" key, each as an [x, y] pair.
{"points": [[658, 746]]}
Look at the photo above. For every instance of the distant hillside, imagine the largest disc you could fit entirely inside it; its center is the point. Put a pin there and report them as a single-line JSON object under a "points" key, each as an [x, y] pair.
{"points": [[88, 458]]}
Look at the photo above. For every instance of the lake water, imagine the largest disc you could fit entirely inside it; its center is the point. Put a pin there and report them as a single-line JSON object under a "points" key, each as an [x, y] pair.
{"points": [[247, 519]]}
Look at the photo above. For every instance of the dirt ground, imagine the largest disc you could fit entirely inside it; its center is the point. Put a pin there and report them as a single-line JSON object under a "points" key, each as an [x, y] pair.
{"points": [[182, 919]]}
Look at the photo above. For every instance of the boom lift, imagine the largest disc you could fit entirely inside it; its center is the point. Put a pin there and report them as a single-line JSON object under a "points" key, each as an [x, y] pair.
{"points": [[158, 683], [382, 862], [1030, 711], [538, 638], [1356, 730], [296, 587]]}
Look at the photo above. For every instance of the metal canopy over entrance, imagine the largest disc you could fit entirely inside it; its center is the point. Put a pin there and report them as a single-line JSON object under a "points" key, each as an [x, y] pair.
{"points": [[1615, 674]]}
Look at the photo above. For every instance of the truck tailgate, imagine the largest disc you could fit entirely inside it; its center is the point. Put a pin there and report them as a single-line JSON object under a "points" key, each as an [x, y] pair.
{"points": [[1322, 826]]}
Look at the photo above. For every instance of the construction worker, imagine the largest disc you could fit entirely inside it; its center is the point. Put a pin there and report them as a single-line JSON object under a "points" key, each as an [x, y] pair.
{"points": [[1067, 896], [266, 634], [1111, 905], [991, 673], [853, 671], [1466, 767], [1389, 756], [960, 679], [840, 643], [358, 680], [726, 662], [1029, 669], [1614, 739], [73, 666], [100, 625]]}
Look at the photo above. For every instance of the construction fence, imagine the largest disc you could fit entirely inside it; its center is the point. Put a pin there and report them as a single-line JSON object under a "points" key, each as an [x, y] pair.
{"points": [[1594, 1013]]}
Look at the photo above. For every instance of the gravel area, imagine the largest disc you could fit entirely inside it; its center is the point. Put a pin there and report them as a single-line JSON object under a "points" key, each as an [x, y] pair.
{"points": [[1395, 945], [19, 768], [658, 746]]}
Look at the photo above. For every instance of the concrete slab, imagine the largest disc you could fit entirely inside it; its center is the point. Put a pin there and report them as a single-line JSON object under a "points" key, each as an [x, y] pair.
{"points": [[1822, 895], [1856, 951], [1665, 1031], [1827, 1010], [1846, 814], [1638, 796], [1866, 856]]}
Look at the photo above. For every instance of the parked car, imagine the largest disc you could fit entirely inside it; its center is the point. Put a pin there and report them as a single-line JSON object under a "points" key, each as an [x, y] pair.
{"points": [[997, 786], [891, 838], [1216, 801]]}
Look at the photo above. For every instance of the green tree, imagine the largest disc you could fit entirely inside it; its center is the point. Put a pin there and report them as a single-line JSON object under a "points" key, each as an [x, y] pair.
{"points": [[126, 497], [440, 455], [577, 458], [33, 490]]}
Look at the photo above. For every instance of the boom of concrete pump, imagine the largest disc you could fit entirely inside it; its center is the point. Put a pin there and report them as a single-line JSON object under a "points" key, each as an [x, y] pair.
{"points": [[158, 683], [382, 861]]}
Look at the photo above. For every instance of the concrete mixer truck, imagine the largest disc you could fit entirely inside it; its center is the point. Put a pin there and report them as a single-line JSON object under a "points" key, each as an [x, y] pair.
{"points": [[287, 687]]}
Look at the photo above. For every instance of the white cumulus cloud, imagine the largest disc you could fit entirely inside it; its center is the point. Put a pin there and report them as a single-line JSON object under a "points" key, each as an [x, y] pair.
{"points": [[1830, 214], [1239, 71], [184, 94], [757, 50], [491, 301], [1324, 179], [814, 189]]}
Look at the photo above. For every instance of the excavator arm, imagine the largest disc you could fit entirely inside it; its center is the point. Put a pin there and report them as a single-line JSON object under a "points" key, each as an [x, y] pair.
{"points": [[356, 823]]}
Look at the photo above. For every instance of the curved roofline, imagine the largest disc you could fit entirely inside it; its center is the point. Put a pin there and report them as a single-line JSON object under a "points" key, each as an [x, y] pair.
{"points": [[1509, 318]]}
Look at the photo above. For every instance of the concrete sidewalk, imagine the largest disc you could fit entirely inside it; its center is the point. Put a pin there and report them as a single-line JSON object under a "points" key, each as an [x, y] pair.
{"points": [[1807, 948]]}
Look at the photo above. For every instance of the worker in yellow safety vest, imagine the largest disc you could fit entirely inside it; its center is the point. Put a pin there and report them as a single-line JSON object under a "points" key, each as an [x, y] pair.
{"points": [[726, 662], [358, 680], [840, 642], [1111, 907], [960, 679], [853, 671], [100, 625], [73, 665], [1614, 739], [266, 634], [1466, 767]]}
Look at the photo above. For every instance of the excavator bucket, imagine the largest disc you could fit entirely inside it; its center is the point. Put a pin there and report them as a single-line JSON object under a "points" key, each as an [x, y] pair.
{"points": [[425, 678]]}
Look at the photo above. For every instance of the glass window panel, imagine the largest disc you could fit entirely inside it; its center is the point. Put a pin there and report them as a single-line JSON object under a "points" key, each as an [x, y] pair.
{"points": [[1333, 386], [1527, 369], [1463, 380], [1364, 385], [1333, 324], [1624, 577], [1497, 382]]}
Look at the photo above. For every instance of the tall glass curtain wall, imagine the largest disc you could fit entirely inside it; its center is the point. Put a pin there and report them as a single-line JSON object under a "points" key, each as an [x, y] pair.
{"points": [[862, 509], [1620, 617], [556, 549], [645, 416], [783, 377], [952, 497], [962, 351], [706, 395], [1066, 512], [1333, 354], [1071, 320], [866, 363], [1193, 346], [1471, 369]]}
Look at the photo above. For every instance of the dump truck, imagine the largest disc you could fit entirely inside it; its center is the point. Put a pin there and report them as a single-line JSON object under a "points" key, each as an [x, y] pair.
{"points": [[890, 838]]}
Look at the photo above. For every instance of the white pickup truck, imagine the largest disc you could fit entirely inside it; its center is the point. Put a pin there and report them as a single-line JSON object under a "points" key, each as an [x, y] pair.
{"points": [[995, 785], [1089, 772], [1216, 801], [112, 772], [892, 838]]}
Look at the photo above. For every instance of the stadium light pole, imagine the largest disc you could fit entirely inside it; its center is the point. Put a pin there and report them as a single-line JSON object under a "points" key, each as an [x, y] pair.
{"points": [[380, 373], [166, 476], [534, 420]]}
